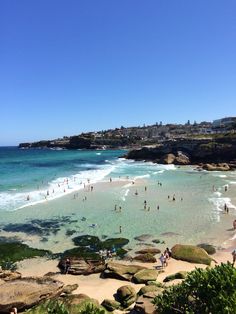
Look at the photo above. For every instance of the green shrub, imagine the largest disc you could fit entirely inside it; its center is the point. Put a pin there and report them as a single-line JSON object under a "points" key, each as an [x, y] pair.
{"points": [[203, 291], [92, 309]]}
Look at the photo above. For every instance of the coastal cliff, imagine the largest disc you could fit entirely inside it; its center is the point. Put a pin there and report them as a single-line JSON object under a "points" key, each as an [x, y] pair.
{"points": [[217, 151]]}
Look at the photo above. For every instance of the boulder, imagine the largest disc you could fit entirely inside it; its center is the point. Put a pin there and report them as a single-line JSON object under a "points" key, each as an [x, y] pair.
{"points": [[70, 288], [146, 258], [168, 159], [26, 292], [190, 253], [120, 271], [81, 266], [182, 159], [148, 250], [151, 288], [178, 275], [216, 167], [145, 275], [208, 248], [144, 306], [111, 305], [126, 295]]}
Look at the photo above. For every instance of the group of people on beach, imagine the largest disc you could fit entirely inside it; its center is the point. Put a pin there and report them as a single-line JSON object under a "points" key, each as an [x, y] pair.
{"points": [[165, 256]]}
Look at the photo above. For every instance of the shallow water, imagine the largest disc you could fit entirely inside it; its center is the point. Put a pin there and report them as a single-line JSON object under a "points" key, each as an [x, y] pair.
{"points": [[196, 215]]}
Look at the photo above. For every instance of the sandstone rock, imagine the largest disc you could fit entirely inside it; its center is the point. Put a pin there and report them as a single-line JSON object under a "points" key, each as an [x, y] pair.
{"points": [[70, 288], [111, 305], [178, 275], [7, 275], [190, 253], [146, 258], [126, 295], [144, 306], [120, 271], [80, 266], [182, 159], [151, 288], [216, 167], [168, 159], [26, 292], [148, 250], [208, 248], [145, 275]]}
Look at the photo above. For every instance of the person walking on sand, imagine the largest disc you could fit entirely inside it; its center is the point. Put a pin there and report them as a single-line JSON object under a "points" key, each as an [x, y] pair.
{"points": [[162, 260], [234, 224]]}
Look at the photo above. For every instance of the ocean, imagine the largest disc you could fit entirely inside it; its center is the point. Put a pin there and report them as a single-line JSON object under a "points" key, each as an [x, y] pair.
{"points": [[46, 199]]}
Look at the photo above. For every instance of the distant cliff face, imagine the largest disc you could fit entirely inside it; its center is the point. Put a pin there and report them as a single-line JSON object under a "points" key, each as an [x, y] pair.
{"points": [[189, 152]]}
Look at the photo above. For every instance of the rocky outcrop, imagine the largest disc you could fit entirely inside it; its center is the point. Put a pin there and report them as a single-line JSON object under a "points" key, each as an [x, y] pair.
{"points": [[70, 288], [190, 253], [148, 250], [111, 305], [126, 295], [7, 275], [145, 275], [120, 271], [80, 266], [178, 275], [191, 151], [210, 249], [144, 305], [145, 258], [26, 292], [151, 288], [216, 167]]}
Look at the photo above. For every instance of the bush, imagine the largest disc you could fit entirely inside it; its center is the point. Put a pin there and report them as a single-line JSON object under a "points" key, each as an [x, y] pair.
{"points": [[203, 291]]}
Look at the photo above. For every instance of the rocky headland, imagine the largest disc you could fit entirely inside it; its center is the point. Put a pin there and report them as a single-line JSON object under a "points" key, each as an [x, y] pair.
{"points": [[218, 154]]}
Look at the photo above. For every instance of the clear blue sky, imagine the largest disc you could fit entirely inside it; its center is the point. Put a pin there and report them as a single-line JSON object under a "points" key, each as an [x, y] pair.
{"points": [[79, 65]]}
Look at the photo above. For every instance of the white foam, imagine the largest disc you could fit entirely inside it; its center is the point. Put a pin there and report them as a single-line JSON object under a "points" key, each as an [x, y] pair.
{"points": [[219, 203], [61, 186]]}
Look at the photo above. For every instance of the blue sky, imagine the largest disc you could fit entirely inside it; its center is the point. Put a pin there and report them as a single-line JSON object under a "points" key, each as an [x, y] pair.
{"points": [[73, 66]]}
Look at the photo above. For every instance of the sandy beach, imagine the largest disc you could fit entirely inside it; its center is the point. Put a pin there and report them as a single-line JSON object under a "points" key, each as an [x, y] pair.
{"points": [[100, 289]]}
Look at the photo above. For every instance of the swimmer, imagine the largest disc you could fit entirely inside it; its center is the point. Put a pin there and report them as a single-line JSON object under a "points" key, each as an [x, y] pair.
{"points": [[158, 207], [136, 192], [145, 189], [28, 198]]}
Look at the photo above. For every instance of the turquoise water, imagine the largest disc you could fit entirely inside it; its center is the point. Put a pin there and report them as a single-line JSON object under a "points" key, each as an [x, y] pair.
{"points": [[58, 184]]}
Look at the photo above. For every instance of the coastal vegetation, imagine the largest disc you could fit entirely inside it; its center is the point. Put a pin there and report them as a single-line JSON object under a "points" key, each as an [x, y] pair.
{"points": [[203, 291]]}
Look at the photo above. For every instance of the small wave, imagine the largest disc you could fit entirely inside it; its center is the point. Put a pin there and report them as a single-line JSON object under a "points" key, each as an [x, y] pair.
{"points": [[98, 153], [142, 176], [219, 203]]}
